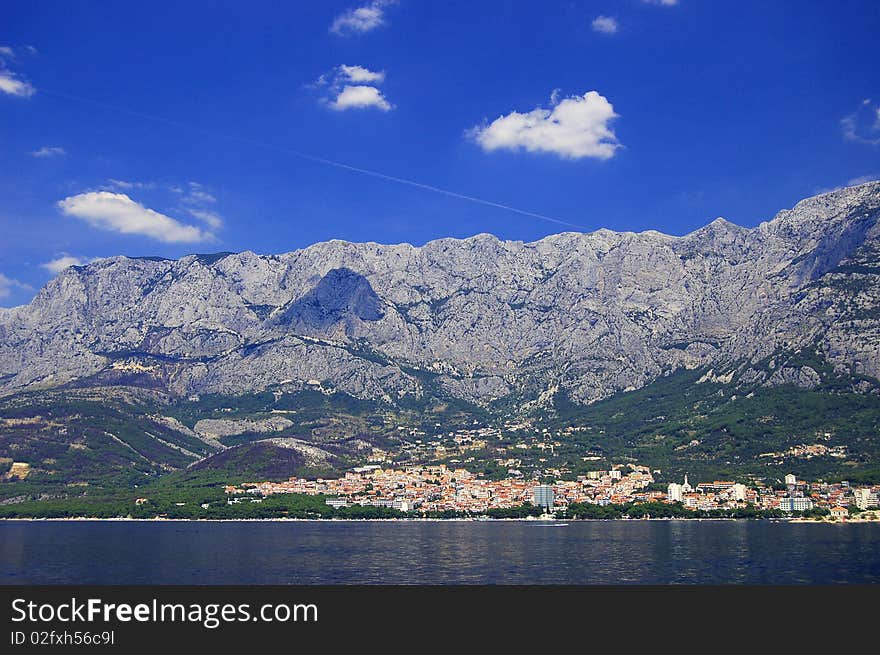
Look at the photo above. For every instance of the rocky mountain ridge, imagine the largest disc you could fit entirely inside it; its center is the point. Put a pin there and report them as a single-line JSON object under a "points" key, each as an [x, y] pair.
{"points": [[793, 300]]}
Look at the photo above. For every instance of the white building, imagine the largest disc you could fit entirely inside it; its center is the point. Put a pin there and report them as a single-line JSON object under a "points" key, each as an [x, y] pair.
{"points": [[865, 498], [686, 488], [795, 504], [791, 479], [739, 491], [673, 492]]}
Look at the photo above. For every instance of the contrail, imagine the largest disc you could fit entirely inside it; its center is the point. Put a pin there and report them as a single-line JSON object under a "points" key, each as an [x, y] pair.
{"points": [[309, 157]]}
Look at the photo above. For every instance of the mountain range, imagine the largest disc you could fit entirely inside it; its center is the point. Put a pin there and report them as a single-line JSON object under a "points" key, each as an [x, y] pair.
{"points": [[491, 322], [729, 352]]}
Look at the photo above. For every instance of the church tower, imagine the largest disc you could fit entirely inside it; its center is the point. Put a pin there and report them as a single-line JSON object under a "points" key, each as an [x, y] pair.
{"points": [[686, 488]]}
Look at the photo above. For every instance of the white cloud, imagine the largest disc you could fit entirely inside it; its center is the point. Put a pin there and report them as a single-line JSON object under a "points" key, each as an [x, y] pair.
{"points": [[10, 53], [863, 125], [574, 128], [662, 3], [10, 84], [360, 97], [211, 219], [192, 198], [117, 212], [125, 184], [58, 264], [48, 151], [193, 193], [198, 195], [604, 24], [352, 87], [361, 19], [359, 74], [8, 284]]}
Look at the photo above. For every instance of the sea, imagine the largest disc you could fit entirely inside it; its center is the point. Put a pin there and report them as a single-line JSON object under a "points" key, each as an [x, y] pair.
{"points": [[673, 552]]}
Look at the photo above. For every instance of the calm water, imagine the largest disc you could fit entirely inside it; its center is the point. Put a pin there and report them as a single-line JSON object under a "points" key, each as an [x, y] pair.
{"points": [[635, 552]]}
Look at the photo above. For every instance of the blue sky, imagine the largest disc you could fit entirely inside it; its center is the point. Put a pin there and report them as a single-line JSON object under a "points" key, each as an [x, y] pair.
{"points": [[171, 128]]}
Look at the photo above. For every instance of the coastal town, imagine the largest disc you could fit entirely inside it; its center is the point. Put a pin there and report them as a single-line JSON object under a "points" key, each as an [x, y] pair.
{"points": [[433, 471], [438, 488]]}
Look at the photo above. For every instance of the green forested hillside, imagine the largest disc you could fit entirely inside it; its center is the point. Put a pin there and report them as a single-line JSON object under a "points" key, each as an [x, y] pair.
{"points": [[97, 443]]}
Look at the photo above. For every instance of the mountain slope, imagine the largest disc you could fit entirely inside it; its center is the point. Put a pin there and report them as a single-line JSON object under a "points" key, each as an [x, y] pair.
{"points": [[479, 319]]}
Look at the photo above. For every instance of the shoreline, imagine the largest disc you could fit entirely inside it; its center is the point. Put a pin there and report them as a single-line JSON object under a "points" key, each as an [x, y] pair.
{"points": [[378, 520], [537, 521]]}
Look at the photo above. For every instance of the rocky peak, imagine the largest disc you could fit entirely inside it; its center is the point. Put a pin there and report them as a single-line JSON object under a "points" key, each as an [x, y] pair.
{"points": [[340, 295]]}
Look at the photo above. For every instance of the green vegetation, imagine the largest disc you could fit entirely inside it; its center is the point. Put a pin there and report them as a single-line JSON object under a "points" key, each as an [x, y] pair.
{"points": [[92, 451], [190, 495], [664, 511], [714, 431], [90, 439], [521, 512], [590, 511]]}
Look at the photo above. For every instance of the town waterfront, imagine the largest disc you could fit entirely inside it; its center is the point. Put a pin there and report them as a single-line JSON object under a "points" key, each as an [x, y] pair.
{"points": [[438, 552]]}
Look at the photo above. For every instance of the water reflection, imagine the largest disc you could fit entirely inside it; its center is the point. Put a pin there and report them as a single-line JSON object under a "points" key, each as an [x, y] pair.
{"points": [[589, 552]]}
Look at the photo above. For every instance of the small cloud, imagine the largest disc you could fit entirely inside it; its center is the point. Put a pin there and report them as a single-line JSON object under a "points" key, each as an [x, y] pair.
{"points": [[211, 219], [360, 97], [48, 151], [12, 85], [125, 184], [863, 125], [346, 88], [64, 261], [200, 196], [605, 25], [116, 212], [361, 19], [574, 128], [8, 53], [8, 284], [11, 82], [359, 74], [197, 194], [197, 198], [662, 3]]}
